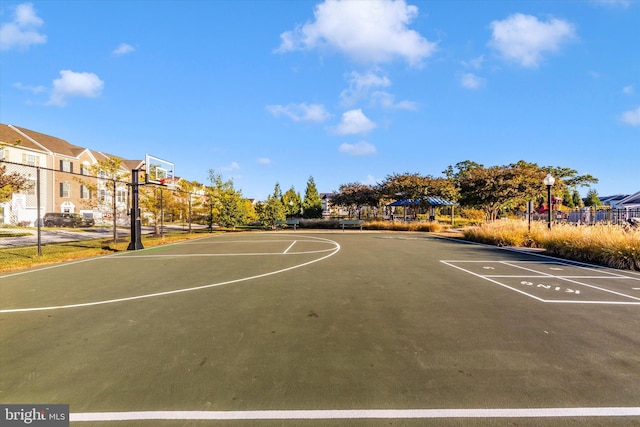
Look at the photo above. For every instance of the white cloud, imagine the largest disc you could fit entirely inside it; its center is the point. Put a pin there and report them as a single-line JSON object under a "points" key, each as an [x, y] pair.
{"points": [[361, 148], [474, 63], [524, 39], [123, 49], [264, 161], [72, 84], [22, 31], [631, 117], [354, 122], [471, 81], [360, 85], [629, 90], [231, 167], [301, 112], [387, 100], [374, 31], [28, 88]]}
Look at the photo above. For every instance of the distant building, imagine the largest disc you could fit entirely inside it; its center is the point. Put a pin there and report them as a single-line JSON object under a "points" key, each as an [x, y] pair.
{"points": [[613, 201]]}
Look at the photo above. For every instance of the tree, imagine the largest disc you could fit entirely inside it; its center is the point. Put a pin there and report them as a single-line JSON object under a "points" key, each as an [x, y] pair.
{"points": [[227, 204], [312, 204], [494, 188], [10, 183], [416, 187], [592, 199], [497, 187], [567, 200], [292, 203], [103, 192], [273, 210], [355, 196], [577, 200]]}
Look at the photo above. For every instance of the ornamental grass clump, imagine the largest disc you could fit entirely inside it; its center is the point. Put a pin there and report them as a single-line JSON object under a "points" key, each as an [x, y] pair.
{"points": [[501, 233], [608, 245], [431, 226]]}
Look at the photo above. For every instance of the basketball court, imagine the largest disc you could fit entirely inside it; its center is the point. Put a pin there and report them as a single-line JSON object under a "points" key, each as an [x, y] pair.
{"points": [[324, 328]]}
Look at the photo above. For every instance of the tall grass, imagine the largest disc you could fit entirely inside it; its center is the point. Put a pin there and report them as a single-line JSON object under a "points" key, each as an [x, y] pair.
{"points": [[430, 226], [607, 245]]}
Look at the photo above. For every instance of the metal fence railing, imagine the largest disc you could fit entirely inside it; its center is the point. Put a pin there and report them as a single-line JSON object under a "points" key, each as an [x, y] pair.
{"points": [[32, 194]]}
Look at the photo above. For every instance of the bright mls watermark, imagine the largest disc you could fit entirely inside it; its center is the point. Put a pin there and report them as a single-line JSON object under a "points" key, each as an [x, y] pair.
{"points": [[34, 415]]}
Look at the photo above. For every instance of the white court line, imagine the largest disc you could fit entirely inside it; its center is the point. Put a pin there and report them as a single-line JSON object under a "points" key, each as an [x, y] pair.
{"points": [[223, 255], [547, 276], [491, 280], [357, 414], [290, 246], [336, 249], [569, 279]]}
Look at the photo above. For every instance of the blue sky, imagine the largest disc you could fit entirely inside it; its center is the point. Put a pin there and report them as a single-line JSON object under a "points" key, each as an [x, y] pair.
{"points": [[344, 91]]}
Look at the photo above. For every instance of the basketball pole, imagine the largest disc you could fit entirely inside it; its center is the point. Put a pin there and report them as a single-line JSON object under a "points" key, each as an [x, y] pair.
{"points": [[136, 222]]}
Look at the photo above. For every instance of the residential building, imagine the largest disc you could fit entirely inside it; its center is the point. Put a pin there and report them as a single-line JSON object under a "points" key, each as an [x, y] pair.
{"points": [[68, 177]]}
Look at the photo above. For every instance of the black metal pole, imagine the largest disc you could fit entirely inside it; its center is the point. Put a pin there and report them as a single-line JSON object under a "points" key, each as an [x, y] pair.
{"points": [[549, 206], [136, 224], [38, 208]]}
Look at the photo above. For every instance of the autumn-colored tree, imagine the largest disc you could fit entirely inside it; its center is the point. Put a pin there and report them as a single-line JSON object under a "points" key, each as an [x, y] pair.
{"points": [[354, 196]]}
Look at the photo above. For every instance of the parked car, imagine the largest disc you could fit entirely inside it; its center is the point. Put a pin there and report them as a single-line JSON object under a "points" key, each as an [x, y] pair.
{"points": [[60, 219], [87, 219]]}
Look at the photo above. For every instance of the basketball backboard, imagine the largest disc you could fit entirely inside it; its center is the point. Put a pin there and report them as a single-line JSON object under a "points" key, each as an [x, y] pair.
{"points": [[158, 171]]}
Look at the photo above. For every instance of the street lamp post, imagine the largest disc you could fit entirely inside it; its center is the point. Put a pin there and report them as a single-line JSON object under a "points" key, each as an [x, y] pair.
{"points": [[549, 181]]}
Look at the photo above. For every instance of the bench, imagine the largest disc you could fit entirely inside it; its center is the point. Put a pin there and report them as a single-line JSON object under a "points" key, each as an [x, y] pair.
{"points": [[351, 223], [290, 222]]}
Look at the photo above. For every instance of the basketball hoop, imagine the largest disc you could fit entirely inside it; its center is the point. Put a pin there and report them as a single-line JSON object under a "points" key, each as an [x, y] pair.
{"points": [[162, 181]]}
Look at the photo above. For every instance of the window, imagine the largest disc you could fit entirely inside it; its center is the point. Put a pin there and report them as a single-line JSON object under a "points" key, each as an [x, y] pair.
{"points": [[30, 159], [121, 196], [85, 192], [84, 168], [65, 190], [66, 166], [102, 195], [4, 154]]}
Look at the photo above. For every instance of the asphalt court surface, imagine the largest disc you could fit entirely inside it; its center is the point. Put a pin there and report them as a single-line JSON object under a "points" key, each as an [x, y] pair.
{"points": [[324, 329], [558, 282], [160, 271]]}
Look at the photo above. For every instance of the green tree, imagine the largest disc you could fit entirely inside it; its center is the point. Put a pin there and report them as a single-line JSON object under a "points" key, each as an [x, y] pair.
{"points": [[577, 200], [567, 199], [271, 212], [592, 199], [292, 203], [312, 204], [228, 207]]}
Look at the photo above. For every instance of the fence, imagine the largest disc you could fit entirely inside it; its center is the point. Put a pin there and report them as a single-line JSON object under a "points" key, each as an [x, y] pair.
{"points": [[29, 192]]}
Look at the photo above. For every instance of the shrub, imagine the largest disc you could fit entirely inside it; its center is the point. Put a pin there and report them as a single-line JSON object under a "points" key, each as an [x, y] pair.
{"points": [[607, 245]]}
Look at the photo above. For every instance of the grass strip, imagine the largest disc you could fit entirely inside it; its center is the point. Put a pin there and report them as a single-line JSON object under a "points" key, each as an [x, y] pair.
{"points": [[20, 258]]}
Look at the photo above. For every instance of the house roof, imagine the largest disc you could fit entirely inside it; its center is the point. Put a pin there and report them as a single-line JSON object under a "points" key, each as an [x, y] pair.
{"points": [[49, 143], [33, 140], [9, 135], [431, 201], [632, 201]]}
